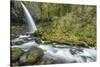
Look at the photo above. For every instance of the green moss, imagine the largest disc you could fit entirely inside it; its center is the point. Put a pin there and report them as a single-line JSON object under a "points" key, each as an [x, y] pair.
{"points": [[16, 53], [61, 22], [33, 55], [69, 28], [31, 58]]}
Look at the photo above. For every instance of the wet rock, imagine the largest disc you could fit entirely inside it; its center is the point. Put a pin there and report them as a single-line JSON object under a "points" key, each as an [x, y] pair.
{"points": [[47, 61], [83, 45], [16, 53], [75, 50], [38, 40], [19, 43], [61, 46], [16, 43], [32, 56], [28, 39]]}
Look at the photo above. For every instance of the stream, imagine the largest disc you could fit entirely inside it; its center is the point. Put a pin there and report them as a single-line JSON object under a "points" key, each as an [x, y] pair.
{"points": [[56, 53], [51, 53]]}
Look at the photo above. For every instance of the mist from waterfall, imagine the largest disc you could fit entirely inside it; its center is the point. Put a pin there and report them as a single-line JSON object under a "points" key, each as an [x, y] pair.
{"points": [[31, 24]]}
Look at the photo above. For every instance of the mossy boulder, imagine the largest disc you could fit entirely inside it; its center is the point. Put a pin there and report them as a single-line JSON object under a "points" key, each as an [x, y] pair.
{"points": [[32, 56], [15, 64], [16, 53]]}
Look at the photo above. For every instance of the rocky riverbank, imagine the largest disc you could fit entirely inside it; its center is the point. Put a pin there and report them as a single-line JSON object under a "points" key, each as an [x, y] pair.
{"points": [[20, 57], [27, 50]]}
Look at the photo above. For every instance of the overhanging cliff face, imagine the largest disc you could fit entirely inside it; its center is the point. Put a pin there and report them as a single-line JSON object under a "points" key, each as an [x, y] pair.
{"points": [[17, 14]]}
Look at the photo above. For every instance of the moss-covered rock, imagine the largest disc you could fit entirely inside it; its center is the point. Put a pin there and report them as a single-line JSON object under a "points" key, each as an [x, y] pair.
{"points": [[16, 53], [15, 63], [32, 56]]}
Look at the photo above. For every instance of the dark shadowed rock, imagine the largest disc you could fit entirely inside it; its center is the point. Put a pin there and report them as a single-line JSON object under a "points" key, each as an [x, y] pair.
{"points": [[38, 40], [75, 50], [12, 36], [15, 54], [19, 42], [15, 64]]}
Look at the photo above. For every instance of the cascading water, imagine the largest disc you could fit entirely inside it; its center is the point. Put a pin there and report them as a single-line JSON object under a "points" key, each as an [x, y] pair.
{"points": [[31, 24], [58, 53], [54, 53]]}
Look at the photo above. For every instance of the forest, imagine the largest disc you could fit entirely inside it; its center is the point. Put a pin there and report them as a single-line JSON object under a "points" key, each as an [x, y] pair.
{"points": [[63, 23], [66, 33]]}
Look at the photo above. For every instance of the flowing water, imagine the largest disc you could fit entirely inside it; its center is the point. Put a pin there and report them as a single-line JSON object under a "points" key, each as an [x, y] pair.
{"points": [[58, 53], [31, 24], [53, 53]]}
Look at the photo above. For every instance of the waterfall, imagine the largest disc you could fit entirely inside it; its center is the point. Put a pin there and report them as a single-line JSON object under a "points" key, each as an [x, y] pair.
{"points": [[31, 24], [53, 53]]}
